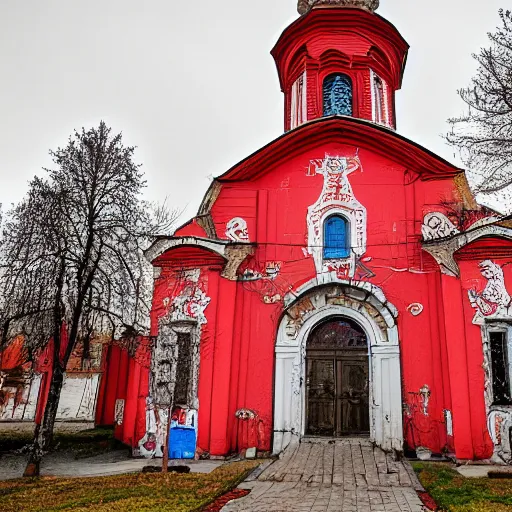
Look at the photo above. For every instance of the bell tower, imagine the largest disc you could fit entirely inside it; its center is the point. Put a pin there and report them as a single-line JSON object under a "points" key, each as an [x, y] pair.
{"points": [[340, 59]]}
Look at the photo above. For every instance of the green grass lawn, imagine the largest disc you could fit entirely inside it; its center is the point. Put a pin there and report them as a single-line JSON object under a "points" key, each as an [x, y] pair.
{"points": [[84, 443], [454, 493], [133, 492]]}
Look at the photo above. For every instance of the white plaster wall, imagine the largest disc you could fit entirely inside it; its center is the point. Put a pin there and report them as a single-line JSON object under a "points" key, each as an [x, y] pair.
{"points": [[26, 410], [78, 397]]}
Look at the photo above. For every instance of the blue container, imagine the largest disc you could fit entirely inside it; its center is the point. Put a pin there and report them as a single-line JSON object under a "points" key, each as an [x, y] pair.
{"points": [[182, 443]]}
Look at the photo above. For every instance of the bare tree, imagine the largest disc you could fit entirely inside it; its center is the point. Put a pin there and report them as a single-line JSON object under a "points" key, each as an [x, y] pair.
{"points": [[484, 134], [72, 264]]}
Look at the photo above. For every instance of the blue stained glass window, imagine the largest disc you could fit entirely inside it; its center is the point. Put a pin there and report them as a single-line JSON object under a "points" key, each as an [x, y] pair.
{"points": [[337, 95], [336, 238]]}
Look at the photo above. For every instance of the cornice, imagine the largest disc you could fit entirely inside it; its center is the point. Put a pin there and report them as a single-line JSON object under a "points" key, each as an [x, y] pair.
{"points": [[419, 161]]}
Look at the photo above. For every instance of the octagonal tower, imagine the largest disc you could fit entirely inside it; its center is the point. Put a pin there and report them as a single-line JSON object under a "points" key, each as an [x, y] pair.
{"points": [[340, 59]]}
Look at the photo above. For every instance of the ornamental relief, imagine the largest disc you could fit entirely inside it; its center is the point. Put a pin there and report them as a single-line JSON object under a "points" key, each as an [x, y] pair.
{"points": [[336, 197], [306, 307], [494, 300], [437, 225]]}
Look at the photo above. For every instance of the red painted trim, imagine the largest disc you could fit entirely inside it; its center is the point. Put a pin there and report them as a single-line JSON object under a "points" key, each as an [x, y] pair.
{"points": [[351, 131], [372, 27]]}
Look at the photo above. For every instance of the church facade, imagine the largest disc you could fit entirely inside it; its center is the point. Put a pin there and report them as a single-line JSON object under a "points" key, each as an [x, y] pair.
{"points": [[340, 281]]}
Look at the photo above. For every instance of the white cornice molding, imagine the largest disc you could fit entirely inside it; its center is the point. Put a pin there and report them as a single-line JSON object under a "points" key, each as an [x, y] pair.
{"points": [[443, 251]]}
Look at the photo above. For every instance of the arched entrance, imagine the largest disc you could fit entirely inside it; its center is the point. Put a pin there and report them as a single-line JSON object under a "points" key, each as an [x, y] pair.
{"points": [[364, 308], [337, 380]]}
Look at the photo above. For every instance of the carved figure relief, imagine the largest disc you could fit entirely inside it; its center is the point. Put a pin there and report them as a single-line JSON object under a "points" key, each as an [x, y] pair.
{"points": [[337, 197], [437, 225], [190, 300], [494, 300], [236, 230]]}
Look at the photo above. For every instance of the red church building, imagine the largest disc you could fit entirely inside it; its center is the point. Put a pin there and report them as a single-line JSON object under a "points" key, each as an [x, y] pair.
{"points": [[340, 281]]}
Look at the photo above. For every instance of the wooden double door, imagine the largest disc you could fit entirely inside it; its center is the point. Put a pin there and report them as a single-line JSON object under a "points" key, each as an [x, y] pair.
{"points": [[337, 381]]}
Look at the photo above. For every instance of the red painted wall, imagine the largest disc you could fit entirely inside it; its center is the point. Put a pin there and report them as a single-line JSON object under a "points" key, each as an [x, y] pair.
{"points": [[237, 347]]}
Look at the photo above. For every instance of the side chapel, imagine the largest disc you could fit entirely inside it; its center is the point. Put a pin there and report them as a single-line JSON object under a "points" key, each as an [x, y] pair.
{"points": [[340, 281]]}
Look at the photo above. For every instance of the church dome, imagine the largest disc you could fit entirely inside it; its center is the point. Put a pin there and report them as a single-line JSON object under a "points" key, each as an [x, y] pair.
{"points": [[305, 6]]}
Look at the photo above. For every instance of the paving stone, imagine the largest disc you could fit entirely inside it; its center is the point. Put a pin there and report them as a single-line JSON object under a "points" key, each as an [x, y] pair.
{"points": [[348, 475]]}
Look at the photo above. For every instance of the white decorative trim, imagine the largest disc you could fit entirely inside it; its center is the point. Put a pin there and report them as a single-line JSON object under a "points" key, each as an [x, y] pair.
{"points": [[416, 308], [236, 230], [385, 99], [336, 198], [164, 244], [494, 301], [443, 251], [437, 225], [368, 310]]}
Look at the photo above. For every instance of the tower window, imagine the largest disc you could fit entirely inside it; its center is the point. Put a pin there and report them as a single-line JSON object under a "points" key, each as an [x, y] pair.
{"points": [[380, 111], [298, 102], [336, 238], [337, 95]]}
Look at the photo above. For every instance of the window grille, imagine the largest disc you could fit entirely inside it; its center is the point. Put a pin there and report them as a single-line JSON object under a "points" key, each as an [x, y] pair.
{"points": [[337, 95], [336, 238]]}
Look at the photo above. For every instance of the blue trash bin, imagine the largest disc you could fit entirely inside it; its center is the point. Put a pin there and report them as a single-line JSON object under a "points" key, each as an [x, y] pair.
{"points": [[182, 443]]}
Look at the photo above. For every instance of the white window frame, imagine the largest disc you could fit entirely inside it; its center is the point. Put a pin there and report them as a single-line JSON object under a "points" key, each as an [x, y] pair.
{"points": [[375, 106], [299, 108]]}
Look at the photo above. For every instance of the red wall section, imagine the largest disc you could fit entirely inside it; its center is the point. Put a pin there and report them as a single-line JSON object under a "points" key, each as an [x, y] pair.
{"points": [[237, 342]]}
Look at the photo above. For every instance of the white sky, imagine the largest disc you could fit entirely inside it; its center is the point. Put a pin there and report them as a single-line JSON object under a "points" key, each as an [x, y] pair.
{"points": [[192, 83]]}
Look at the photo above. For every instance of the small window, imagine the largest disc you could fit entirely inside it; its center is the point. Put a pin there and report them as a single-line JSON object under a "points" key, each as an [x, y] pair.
{"points": [[500, 360], [337, 95], [336, 238], [378, 88], [298, 102]]}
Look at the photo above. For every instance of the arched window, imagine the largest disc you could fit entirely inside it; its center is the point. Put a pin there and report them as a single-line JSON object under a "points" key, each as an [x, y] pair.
{"points": [[337, 95], [379, 100], [336, 238]]}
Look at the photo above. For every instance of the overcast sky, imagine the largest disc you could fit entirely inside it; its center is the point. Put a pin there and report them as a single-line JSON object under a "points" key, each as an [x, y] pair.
{"points": [[192, 83]]}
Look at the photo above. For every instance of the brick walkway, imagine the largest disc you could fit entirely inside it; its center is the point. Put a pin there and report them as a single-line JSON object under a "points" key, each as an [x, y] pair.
{"points": [[348, 475]]}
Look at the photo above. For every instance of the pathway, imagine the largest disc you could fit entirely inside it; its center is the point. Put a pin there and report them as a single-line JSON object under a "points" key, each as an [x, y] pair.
{"points": [[348, 475]]}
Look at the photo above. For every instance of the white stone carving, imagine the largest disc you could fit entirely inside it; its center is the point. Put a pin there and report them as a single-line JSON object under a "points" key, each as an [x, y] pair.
{"points": [[236, 230], [437, 225], [373, 313], [191, 302], [494, 300], [337, 197], [415, 308]]}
